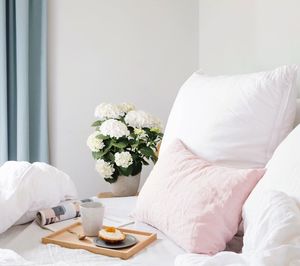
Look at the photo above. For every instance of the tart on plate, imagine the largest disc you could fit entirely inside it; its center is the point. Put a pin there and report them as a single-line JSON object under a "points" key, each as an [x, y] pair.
{"points": [[111, 235]]}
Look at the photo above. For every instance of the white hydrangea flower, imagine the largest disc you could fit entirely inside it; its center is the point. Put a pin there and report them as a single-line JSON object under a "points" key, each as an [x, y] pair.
{"points": [[106, 111], [123, 159], [114, 128], [126, 107], [95, 144], [141, 133], [105, 169], [140, 119]]}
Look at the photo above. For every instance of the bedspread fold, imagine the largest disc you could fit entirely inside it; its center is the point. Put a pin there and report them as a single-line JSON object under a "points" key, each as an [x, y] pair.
{"points": [[26, 187]]}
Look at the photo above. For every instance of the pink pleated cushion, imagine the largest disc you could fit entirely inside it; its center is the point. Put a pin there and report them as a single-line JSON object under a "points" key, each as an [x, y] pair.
{"points": [[195, 203]]}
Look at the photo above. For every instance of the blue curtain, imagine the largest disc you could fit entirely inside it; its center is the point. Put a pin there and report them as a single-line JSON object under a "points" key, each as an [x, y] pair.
{"points": [[23, 80]]}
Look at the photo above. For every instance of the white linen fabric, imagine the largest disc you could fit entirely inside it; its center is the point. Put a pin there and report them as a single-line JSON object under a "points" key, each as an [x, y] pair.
{"points": [[63, 257], [237, 120], [9, 235], [27, 217], [26, 248], [25, 188], [272, 237], [275, 223]]}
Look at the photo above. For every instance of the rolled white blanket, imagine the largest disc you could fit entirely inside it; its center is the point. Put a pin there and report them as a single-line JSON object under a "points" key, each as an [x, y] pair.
{"points": [[26, 187]]}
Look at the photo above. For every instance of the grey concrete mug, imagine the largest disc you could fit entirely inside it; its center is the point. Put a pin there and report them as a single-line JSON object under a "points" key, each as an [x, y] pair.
{"points": [[92, 214]]}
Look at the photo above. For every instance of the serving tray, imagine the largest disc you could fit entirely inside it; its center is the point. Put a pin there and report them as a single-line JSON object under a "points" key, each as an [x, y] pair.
{"points": [[65, 238]]}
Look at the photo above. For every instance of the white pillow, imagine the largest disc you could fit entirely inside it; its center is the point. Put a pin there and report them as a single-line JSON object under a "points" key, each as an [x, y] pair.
{"points": [[234, 120], [283, 172]]}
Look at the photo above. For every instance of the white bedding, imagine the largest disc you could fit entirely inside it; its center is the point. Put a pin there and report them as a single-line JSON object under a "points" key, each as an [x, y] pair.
{"points": [[28, 247], [272, 237], [8, 236], [26, 188]]}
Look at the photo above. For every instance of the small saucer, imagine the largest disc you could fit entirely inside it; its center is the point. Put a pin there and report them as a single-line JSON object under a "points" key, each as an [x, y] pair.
{"points": [[127, 242]]}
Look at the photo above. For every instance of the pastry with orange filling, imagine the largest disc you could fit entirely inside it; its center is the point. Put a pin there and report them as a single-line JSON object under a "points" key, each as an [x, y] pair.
{"points": [[111, 235]]}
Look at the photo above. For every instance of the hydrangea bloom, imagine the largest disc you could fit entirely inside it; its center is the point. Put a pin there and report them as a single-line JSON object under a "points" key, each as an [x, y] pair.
{"points": [[106, 111], [114, 128], [140, 119], [141, 134], [124, 141], [105, 169], [126, 107], [95, 144], [123, 159]]}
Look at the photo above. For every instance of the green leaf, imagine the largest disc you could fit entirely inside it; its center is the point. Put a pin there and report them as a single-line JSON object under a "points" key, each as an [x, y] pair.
{"points": [[137, 168], [97, 123], [135, 145], [120, 145], [100, 136], [98, 154], [125, 171], [147, 151], [111, 157]]}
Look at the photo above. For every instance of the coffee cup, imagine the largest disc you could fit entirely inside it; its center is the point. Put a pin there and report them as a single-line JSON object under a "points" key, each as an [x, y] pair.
{"points": [[92, 214]]}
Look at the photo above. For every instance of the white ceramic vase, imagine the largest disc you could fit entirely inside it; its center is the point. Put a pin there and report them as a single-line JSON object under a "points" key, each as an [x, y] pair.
{"points": [[126, 186]]}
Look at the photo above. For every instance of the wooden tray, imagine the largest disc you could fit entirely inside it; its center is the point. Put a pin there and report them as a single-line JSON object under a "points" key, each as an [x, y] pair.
{"points": [[68, 240]]}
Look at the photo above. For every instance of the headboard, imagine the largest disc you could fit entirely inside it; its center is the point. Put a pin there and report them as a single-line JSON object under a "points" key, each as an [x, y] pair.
{"points": [[297, 121]]}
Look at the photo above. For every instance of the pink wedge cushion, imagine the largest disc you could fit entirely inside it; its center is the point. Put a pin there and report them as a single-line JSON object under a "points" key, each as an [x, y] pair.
{"points": [[196, 203]]}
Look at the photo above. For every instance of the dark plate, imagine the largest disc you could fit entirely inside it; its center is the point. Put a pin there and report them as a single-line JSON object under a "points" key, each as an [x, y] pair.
{"points": [[127, 242]]}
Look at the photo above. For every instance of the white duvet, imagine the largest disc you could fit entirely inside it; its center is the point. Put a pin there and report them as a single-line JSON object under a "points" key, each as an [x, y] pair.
{"points": [[272, 237], [26, 188], [64, 257], [28, 250], [272, 227]]}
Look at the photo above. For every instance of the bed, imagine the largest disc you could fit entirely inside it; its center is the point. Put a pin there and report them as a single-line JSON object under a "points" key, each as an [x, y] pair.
{"points": [[25, 240], [21, 245]]}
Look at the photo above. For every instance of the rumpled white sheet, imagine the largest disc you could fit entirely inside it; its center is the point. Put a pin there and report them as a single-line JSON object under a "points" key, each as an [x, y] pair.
{"points": [[62, 257], [26, 187], [27, 244], [272, 237]]}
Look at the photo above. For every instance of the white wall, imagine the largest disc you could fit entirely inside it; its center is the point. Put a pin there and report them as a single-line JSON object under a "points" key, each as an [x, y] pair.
{"points": [[138, 51], [250, 35]]}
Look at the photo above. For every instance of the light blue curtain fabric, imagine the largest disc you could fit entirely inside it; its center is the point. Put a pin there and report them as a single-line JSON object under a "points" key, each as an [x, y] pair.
{"points": [[23, 80]]}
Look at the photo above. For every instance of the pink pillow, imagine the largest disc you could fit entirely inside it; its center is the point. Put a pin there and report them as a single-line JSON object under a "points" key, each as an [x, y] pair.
{"points": [[194, 202]]}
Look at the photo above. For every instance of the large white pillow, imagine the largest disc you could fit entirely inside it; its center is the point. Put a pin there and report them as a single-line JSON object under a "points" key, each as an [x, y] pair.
{"points": [[234, 120], [283, 172]]}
